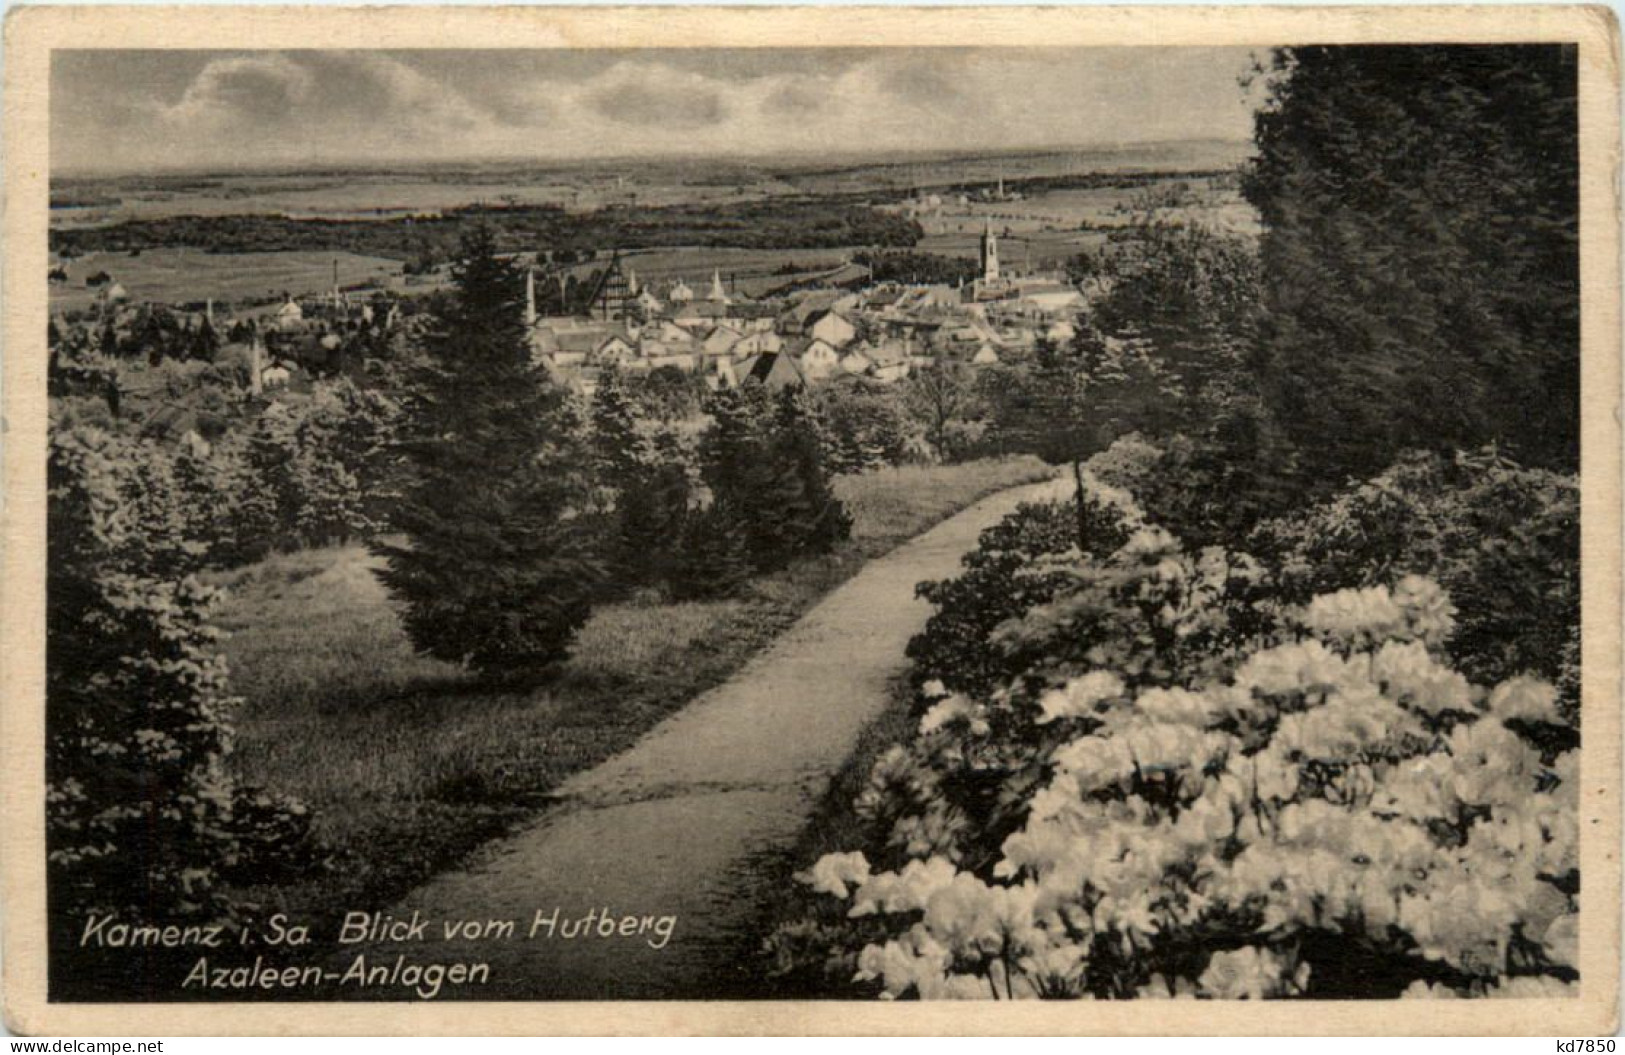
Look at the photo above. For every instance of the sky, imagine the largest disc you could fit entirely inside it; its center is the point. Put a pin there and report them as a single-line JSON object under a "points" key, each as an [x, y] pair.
{"points": [[133, 111]]}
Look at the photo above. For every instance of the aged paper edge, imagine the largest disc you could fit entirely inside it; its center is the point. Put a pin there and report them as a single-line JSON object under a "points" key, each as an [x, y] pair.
{"points": [[32, 33]]}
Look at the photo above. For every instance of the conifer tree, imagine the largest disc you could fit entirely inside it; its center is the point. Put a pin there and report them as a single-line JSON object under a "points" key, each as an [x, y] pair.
{"points": [[1420, 254], [620, 448], [496, 571], [711, 559], [645, 476], [143, 817], [819, 519]]}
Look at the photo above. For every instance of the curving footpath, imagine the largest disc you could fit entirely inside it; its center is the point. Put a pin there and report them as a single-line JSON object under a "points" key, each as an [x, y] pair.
{"points": [[663, 833]]}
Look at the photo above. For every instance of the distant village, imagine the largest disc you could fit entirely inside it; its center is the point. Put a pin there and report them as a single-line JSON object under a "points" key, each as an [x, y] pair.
{"points": [[879, 331], [842, 326]]}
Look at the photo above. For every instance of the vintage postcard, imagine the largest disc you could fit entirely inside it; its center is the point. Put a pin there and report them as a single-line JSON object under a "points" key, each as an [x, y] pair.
{"points": [[811, 520]]}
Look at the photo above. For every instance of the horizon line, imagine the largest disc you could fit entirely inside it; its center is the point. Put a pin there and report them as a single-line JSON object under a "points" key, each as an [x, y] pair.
{"points": [[822, 159]]}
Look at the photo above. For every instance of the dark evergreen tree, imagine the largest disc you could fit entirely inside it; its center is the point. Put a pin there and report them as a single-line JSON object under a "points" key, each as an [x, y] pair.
{"points": [[711, 559], [143, 819], [643, 478], [619, 445], [816, 519], [495, 571], [650, 516], [765, 460], [1420, 252]]}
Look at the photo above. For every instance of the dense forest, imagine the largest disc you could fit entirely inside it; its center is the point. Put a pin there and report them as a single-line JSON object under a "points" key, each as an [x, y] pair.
{"points": [[810, 223]]}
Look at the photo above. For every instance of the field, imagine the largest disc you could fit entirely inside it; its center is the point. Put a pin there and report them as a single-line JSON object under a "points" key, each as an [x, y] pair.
{"points": [[181, 275], [410, 764], [752, 272], [94, 201]]}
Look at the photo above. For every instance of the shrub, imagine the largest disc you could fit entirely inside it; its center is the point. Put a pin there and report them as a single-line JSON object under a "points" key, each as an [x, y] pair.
{"points": [[1502, 539], [711, 559], [1010, 572], [142, 817], [867, 428], [1322, 808], [643, 475]]}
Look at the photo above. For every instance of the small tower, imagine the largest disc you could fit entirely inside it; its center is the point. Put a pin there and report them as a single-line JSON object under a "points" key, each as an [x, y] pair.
{"points": [[530, 297], [990, 254], [718, 294]]}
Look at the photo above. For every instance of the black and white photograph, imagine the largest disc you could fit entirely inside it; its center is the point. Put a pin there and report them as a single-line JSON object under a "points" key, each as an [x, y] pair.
{"points": [[822, 522]]}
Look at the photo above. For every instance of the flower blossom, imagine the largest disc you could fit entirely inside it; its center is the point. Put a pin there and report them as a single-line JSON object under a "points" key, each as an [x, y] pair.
{"points": [[1079, 696], [1527, 699], [1250, 973], [833, 873], [902, 891]]}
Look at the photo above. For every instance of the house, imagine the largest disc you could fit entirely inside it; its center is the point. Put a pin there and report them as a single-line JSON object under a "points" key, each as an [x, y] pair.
{"points": [[614, 349], [649, 304], [757, 342], [774, 371], [819, 359], [721, 341], [680, 361], [891, 361], [800, 315], [667, 332], [833, 327], [697, 313], [1052, 298], [857, 361], [277, 375], [986, 355], [680, 293]]}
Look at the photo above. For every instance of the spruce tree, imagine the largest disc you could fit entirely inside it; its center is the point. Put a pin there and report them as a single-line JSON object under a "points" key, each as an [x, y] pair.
{"points": [[620, 448], [644, 477], [1420, 253], [800, 450], [765, 459], [495, 571], [711, 559], [143, 817]]}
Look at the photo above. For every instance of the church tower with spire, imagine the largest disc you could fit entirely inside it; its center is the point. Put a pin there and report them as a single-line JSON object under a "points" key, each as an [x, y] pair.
{"points": [[990, 254]]}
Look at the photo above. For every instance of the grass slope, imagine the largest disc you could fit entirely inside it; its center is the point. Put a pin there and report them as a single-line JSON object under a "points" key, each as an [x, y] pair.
{"points": [[410, 763]]}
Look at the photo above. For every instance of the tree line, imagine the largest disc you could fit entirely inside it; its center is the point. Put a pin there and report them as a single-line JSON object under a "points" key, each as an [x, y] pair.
{"points": [[781, 223]]}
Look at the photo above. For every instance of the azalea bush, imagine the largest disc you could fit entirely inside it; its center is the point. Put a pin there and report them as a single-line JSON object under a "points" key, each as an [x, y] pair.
{"points": [[1011, 570], [1503, 539], [1196, 786]]}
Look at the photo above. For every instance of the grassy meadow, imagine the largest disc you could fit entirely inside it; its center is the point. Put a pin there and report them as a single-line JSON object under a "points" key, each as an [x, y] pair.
{"points": [[178, 275], [410, 763]]}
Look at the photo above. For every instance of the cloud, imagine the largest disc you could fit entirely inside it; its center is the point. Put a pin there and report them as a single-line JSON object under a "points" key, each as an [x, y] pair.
{"points": [[261, 90], [657, 95], [146, 109]]}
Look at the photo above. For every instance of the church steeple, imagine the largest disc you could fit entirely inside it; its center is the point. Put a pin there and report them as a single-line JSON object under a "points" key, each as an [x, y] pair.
{"points": [[990, 253]]}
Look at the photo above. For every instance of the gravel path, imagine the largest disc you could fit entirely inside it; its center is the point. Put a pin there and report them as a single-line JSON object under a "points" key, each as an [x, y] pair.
{"points": [[665, 828]]}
